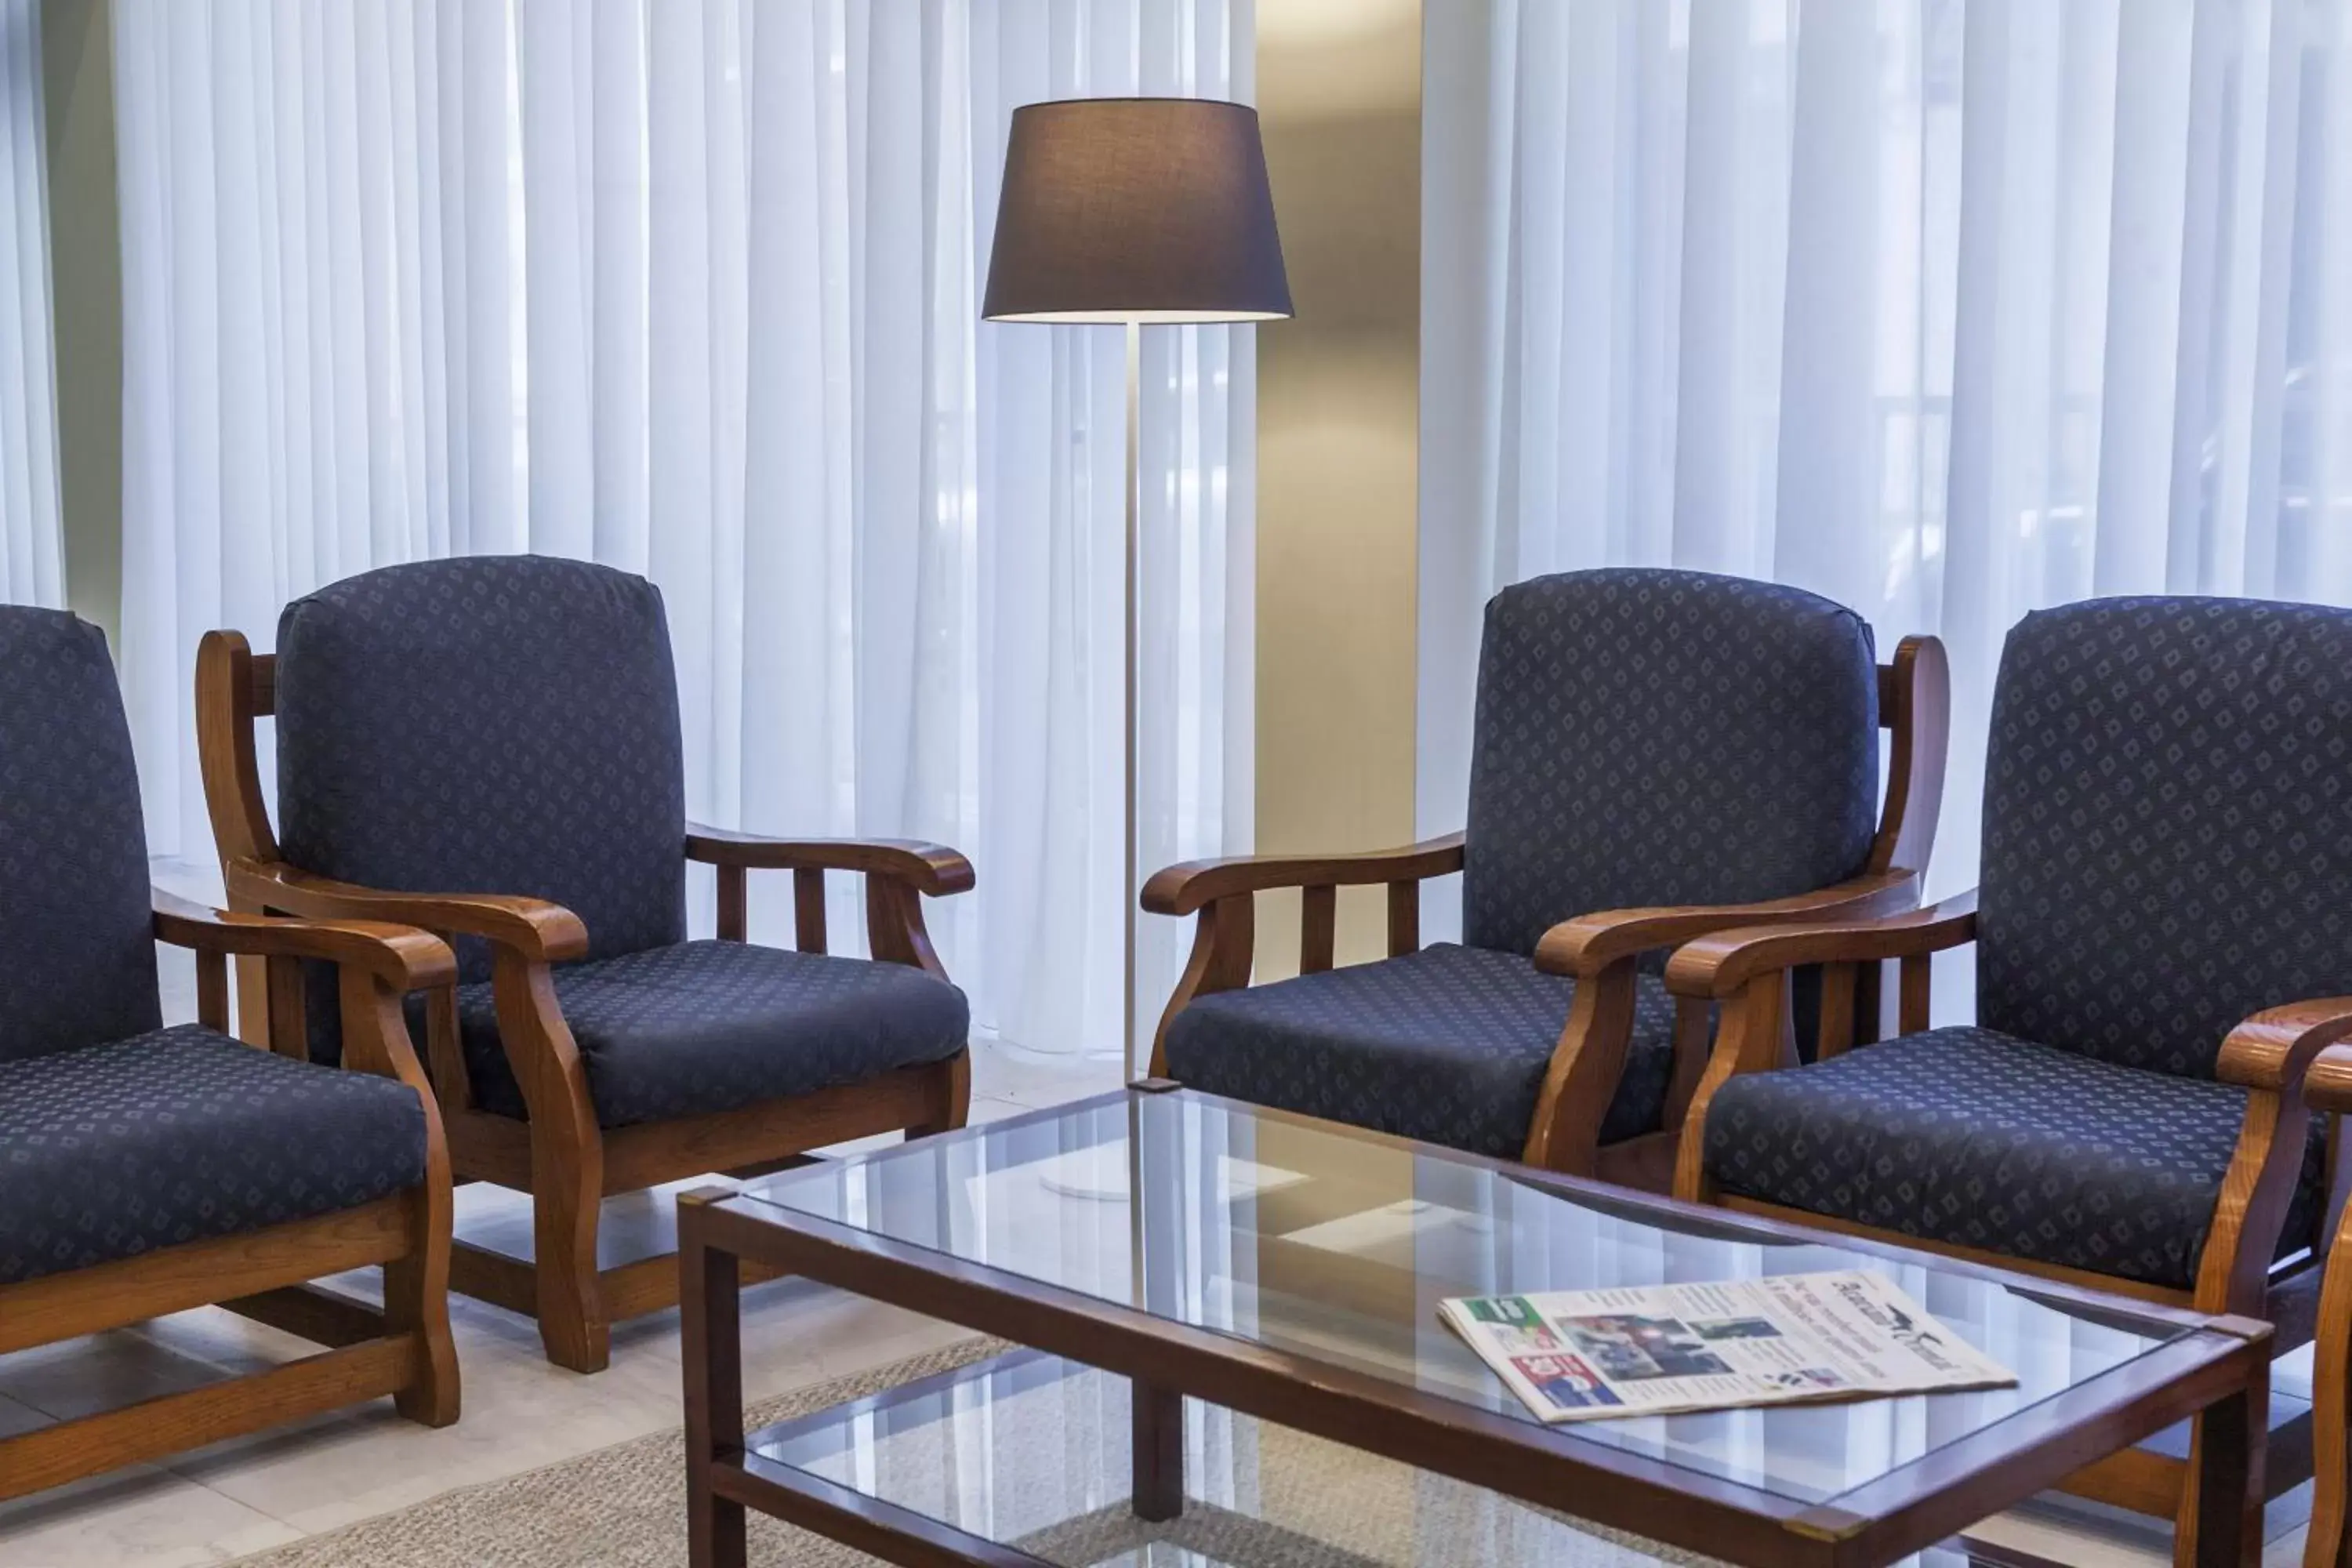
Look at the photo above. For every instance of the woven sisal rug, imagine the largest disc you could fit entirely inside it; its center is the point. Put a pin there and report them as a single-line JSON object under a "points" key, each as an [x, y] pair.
{"points": [[625, 1507]]}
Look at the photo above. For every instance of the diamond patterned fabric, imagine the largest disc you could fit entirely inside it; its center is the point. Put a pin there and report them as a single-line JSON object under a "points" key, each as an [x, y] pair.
{"points": [[110, 1151], [496, 724], [77, 939], [713, 1025], [1647, 736], [1969, 1136], [1448, 1044], [2168, 824]]}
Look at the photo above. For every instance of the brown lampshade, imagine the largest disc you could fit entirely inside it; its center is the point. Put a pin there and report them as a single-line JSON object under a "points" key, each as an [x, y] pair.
{"points": [[1136, 209]]}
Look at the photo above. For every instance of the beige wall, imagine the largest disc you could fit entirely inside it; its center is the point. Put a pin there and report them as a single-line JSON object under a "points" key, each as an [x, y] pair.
{"points": [[86, 271], [1340, 95]]}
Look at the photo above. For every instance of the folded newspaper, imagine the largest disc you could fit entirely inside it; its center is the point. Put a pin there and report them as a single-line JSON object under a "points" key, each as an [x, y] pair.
{"points": [[1654, 1350]]}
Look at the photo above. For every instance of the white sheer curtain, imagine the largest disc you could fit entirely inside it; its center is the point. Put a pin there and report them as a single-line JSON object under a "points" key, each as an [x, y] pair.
{"points": [[31, 572], [691, 288], [1946, 309]]}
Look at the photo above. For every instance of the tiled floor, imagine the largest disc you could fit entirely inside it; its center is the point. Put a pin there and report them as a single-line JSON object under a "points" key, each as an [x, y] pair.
{"points": [[243, 1496]]}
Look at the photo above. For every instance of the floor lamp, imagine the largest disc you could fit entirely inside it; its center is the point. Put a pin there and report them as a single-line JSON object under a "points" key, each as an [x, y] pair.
{"points": [[1135, 212]]}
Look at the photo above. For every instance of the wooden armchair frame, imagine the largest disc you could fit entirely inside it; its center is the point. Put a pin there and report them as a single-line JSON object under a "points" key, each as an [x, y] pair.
{"points": [[560, 1155], [2270, 1055], [403, 1350], [1601, 949], [2327, 1090]]}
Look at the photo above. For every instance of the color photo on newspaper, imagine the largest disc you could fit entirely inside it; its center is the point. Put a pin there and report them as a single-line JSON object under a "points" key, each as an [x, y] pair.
{"points": [[1577, 1356]]}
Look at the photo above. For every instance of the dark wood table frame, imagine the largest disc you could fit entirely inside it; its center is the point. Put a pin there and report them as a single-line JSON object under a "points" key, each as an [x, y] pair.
{"points": [[2216, 1371]]}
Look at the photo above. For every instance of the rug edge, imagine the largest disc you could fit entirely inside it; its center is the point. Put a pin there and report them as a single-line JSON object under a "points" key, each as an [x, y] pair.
{"points": [[881, 1376]]}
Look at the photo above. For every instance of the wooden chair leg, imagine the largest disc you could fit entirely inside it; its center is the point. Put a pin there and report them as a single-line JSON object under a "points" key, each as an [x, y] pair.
{"points": [[2330, 1542], [567, 1164], [953, 1097], [567, 1186], [416, 1300]]}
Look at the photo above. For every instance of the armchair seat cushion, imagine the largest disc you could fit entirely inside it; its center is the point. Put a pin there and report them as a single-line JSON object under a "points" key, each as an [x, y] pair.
{"points": [[1978, 1139], [1448, 1044], [701, 1027], [182, 1134]]}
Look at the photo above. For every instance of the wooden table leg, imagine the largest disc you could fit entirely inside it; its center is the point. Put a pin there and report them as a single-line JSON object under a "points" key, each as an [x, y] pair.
{"points": [[2221, 1519], [1159, 1451], [710, 1328]]}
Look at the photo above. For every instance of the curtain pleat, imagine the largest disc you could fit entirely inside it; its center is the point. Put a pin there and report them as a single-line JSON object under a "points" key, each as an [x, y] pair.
{"points": [[1947, 309], [690, 287], [31, 547]]}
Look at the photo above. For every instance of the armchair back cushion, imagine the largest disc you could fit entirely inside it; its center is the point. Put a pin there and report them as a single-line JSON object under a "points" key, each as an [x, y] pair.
{"points": [[77, 935], [489, 724], [1646, 736], [2168, 824]]}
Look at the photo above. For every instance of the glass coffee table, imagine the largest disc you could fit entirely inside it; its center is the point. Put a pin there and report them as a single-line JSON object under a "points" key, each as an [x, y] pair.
{"points": [[1229, 1354]]}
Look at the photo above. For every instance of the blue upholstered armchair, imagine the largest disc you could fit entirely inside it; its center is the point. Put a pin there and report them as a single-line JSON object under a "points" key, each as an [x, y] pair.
{"points": [[489, 747], [1658, 754], [2167, 850], [146, 1170]]}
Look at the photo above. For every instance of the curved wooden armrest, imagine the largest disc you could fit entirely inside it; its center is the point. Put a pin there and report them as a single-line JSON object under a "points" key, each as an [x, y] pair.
{"points": [[401, 956], [1719, 964], [931, 868], [2327, 1082], [1188, 884], [2277, 1048], [1590, 944], [537, 930]]}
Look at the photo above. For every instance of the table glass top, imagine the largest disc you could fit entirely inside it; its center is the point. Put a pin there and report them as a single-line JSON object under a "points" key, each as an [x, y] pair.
{"points": [[1335, 1246]]}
